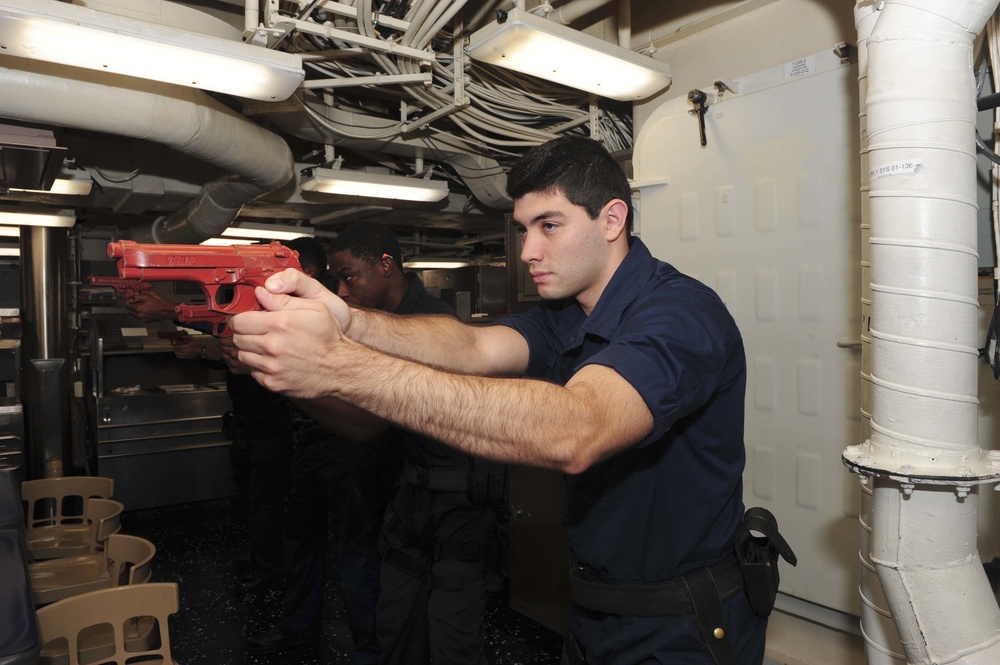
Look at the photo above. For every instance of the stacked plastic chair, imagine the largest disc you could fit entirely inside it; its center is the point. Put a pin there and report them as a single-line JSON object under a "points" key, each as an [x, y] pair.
{"points": [[101, 626], [73, 533], [125, 560], [69, 516]]}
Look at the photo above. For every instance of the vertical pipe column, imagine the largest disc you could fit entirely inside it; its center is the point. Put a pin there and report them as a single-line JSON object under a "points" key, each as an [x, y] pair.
{"points": [[923, 450], [45, 349], [882, 645]]}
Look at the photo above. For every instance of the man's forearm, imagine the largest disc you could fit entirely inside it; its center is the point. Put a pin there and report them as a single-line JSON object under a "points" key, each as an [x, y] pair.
{"points": [[521, 421], [441, 341]]}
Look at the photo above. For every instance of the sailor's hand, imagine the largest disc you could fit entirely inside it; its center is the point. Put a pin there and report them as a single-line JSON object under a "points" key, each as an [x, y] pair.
{"points": [[290, 345], [230, 356], [149, 307], [295, 282]]}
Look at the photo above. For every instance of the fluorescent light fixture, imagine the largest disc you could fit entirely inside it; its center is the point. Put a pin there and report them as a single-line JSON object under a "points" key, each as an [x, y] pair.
{"points": [[81, 37], [56, 218], [532, 45], [227, 241], [375, 185], [10, 232], [248, 233], [10, 251], [266, 231], [417, 263], [69, 186]]}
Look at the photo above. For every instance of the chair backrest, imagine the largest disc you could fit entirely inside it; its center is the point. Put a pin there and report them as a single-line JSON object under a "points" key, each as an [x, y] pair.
{"points": [[129, 559], [116, 608], [106, 517], [52, 501]]}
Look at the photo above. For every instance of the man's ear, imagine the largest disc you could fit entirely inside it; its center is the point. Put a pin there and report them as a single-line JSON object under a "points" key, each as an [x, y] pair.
{"points": [[616, 213], [388, 265]]}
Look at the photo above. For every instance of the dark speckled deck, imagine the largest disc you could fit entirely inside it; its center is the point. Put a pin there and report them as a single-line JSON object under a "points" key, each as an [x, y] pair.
{"points": [[199, 545]]}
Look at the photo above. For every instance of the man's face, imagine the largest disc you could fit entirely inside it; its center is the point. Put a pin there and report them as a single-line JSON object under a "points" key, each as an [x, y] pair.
{"points": [[358, 282], [565, 250]]}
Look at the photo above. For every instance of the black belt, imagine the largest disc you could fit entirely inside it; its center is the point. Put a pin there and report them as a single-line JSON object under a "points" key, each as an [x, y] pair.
{"points": [[668, 598], [700, 592]]}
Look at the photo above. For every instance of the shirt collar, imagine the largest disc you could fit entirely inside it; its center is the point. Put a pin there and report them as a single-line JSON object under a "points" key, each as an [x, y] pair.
{"points": [[621, 291], [414, 288]]}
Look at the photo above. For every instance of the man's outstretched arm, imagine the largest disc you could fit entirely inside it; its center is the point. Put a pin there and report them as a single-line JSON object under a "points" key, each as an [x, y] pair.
{"points": [[298, 348]]}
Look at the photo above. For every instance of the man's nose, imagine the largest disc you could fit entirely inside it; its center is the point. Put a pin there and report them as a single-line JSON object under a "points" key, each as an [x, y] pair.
{"points": [[529, 249]]}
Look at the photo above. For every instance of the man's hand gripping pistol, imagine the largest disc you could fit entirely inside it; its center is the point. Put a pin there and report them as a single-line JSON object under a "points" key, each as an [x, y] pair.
{"points": [[227, 275]]}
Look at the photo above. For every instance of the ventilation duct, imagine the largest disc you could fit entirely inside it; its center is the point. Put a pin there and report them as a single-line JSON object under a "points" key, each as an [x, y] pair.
{"points": [[183, 119], [29, 158]]}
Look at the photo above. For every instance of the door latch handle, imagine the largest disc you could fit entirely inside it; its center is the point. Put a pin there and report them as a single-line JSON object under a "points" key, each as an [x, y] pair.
{"points": [[700, 102]]}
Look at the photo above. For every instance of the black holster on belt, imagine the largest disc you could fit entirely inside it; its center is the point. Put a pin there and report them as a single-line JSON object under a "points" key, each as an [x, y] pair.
{"points": [[487, 481], [758, 558]]}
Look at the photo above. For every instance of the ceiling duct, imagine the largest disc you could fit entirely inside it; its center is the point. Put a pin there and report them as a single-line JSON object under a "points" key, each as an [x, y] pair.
{"points": [[183, 119], [29, 158]]}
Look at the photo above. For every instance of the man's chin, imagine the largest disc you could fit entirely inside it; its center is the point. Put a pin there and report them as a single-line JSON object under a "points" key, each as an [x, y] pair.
{"points": [[548, 291]]}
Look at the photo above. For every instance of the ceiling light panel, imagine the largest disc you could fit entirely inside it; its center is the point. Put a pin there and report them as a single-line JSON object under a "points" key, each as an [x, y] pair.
{"points": [[81, 37], [375, 185], [55, 218], [536, 46]]}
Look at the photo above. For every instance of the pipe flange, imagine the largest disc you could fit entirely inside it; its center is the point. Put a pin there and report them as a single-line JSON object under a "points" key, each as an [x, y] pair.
{"points": [[980, 469]]}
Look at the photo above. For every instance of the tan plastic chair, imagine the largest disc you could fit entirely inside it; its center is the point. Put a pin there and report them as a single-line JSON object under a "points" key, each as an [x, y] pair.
{"points": [[54, 501], [102, 518], [96, 627], [126, 560]]}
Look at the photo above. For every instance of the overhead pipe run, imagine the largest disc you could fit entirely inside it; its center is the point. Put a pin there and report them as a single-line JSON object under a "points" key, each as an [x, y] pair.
{"points": [[570, 11], [183, 119], [923, 455]]}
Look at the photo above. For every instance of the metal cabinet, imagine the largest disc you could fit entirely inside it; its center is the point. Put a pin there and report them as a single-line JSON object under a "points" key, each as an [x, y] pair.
{"points": [[155, 420]]}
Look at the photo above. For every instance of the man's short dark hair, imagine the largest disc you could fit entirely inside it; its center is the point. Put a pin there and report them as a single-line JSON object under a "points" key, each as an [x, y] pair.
{"points": [[311, 253], [580, 168], [368, 241]]}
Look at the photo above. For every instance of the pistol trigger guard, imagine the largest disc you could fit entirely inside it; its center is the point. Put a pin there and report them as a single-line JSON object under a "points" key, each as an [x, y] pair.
{"points": [[210, 292]]}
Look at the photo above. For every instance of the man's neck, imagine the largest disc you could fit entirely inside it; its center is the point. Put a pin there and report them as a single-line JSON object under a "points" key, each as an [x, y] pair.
{"points": [[588, 299], [394, 295]]}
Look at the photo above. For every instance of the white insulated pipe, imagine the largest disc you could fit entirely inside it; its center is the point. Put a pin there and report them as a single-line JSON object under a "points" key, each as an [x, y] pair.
{"points": [[924, 250], [251, 16], [184, 119], [573, 10], [882, 645], [921, 111], [625, 24]]}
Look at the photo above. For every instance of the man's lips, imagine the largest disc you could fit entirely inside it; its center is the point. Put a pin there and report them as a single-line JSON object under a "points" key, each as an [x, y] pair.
{"points": [[538, 277]]}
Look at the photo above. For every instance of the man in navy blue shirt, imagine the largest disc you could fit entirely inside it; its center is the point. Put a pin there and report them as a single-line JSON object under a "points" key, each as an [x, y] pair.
{"points": [[640, 404]]}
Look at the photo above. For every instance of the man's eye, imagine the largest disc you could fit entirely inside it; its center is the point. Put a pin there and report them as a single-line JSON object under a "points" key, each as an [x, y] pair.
{"points": [[520, 231]]}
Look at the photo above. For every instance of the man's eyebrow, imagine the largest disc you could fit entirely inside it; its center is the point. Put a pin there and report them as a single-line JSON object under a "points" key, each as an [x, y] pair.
{"points": [[545, 214]]}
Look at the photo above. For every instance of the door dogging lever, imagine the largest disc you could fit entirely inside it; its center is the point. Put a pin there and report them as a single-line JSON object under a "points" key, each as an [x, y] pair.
{"points": [[700, 101]]}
